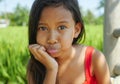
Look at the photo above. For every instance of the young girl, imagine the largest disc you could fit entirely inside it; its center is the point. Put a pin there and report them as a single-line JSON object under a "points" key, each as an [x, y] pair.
{"points": [[55, 29]]}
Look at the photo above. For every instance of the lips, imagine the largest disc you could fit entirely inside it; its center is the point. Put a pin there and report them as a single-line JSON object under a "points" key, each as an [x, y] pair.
{"points": [[52, 51]]}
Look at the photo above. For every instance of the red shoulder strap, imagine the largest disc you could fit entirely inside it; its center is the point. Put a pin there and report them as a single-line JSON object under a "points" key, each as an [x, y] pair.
{"points": [[88, 59]]}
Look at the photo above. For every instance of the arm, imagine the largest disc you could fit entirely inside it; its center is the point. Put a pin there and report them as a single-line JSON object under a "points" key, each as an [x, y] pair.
{"points": [[48, 61], [100, 68], [50, 77]]}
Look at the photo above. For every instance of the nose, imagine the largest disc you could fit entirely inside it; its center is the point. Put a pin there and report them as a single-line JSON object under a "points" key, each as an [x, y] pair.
{"points": [[52, 39]]}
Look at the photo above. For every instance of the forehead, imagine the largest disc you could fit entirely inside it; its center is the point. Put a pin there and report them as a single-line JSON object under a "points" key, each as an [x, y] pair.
{"points": [[56, 13]]}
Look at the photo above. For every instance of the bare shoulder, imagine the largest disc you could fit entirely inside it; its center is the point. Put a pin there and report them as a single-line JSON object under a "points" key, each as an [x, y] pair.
{"points": [[98, 58], [97, 55], [100, 67]]}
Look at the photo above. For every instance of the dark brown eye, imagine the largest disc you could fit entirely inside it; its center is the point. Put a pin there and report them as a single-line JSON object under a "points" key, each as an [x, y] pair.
{"points": [[62, 27], [42, 28]]}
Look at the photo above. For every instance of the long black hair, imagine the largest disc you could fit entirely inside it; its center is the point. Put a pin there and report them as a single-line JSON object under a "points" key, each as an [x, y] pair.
{"points": [[35, 68]]}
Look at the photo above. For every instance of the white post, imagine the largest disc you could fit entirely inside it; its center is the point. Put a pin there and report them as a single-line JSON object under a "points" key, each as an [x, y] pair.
{"points": [[111, 38]]}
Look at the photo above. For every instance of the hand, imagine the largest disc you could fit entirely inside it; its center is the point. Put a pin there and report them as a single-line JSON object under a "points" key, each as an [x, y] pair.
{"points": [[40, 54]]}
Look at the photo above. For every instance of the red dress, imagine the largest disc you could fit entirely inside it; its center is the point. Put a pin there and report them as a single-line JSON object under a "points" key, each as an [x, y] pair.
{"points": [[88, 58]]}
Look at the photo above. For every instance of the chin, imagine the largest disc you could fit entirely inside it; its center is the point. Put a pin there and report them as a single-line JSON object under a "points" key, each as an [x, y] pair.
{"points": [[54, 55]]}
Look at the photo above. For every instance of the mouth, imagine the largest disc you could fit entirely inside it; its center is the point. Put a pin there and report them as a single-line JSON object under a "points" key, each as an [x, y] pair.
{"points": [[52, 51]]}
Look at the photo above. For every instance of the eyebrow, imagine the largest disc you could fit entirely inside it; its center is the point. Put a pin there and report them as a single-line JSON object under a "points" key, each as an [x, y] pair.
{"points": [[62, 22], [42, 23]]}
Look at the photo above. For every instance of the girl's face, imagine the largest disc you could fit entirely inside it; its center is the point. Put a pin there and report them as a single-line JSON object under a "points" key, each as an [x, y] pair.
{"points": [[56, 30]]}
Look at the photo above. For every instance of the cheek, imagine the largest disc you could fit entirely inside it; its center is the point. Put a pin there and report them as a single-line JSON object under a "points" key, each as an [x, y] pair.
{"points": [[40, 39], [68, 39], [69, 36], [66, 44]]}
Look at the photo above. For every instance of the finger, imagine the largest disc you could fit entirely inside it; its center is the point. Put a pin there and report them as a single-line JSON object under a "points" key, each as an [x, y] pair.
{"points": [[37, 54], [32, 45], [46, 59], [42, 48], [44, 55], [33, 49]]}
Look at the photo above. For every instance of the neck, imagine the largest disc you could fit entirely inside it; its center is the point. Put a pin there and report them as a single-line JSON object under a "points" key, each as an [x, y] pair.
{"points": [[67, 56]]}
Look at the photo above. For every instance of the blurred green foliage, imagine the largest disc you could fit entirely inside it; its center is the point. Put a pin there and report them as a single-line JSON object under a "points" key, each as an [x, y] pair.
{"points": [[19, 17], [94, 36], [13, 55]]}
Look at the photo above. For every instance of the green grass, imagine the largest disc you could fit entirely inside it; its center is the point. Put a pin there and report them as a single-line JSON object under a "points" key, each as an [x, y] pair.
{"points": [[14, 53], [94, 36]]}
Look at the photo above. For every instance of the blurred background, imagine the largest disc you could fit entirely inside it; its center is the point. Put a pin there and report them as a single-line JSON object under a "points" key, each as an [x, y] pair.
{"points": [[14, 54]]}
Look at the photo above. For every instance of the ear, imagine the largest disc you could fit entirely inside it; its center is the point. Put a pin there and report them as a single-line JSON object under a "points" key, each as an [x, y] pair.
{"points": [[77, 29]]}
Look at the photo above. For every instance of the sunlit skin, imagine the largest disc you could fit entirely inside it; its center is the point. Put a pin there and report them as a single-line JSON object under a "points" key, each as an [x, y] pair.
{"points": [[55, 30], [64, 62]]}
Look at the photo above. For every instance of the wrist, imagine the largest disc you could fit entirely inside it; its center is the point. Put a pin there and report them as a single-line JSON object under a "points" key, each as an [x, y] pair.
{"points": [[50, 77], [52, 69]]}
